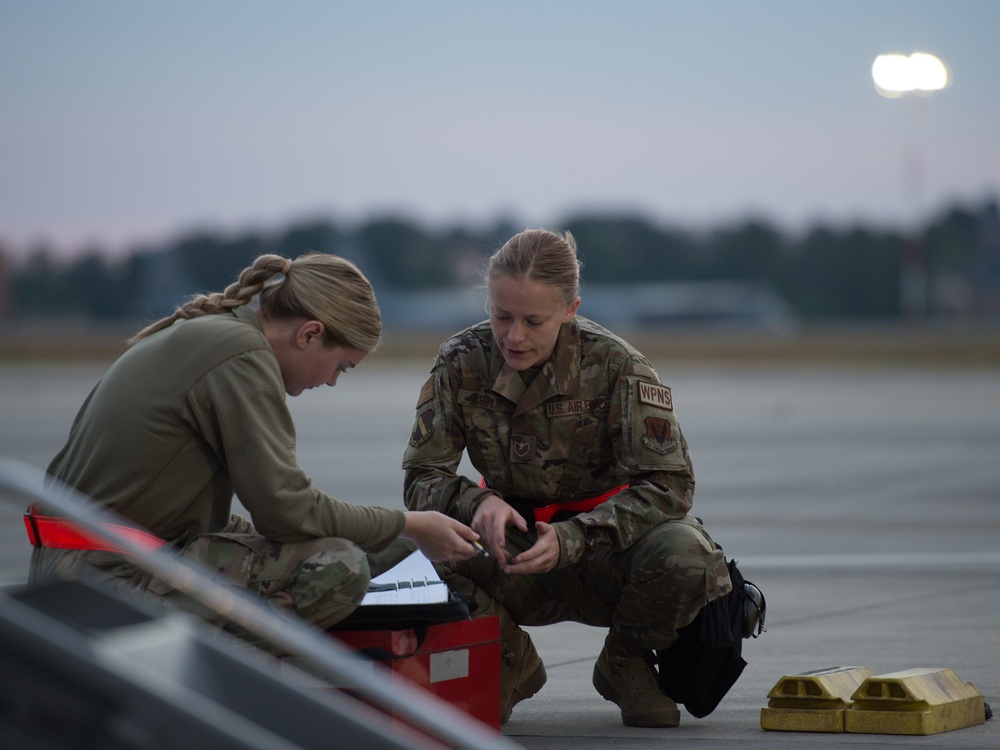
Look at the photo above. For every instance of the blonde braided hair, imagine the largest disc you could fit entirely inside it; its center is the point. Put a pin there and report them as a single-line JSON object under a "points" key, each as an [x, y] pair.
{"points": [[315, 286]]}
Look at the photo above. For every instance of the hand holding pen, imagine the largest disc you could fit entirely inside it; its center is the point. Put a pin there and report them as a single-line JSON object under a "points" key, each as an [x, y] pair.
{"points": [[480, 548]]}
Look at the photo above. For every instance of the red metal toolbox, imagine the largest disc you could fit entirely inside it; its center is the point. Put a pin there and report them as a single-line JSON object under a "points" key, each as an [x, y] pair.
{"points": [[457, 661]]}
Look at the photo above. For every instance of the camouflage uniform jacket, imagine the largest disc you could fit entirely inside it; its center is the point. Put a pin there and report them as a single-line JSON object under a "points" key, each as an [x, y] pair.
{"points": [[594, 417]]}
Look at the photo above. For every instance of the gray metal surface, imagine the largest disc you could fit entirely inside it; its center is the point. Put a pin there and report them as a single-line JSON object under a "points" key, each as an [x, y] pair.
{"points": [[866, 504], [83, 669]]}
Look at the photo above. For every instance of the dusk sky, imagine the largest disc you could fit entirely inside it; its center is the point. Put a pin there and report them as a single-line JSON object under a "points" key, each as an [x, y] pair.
{"points": [[125, 122]]}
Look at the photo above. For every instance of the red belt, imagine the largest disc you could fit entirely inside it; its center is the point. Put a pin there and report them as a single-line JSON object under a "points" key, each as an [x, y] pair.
{"points": [[545, 512], [61, 533]]}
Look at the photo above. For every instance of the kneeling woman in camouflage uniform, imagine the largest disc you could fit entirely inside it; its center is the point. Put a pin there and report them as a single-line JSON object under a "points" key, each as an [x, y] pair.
{"points": [[586, 481], [195, 411]]}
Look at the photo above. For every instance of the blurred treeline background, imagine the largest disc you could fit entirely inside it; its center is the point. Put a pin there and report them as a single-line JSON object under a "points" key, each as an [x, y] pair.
{"points": [[746, 279]]}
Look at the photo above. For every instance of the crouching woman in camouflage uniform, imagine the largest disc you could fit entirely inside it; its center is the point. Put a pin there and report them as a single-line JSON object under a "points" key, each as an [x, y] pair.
{"points": [[195, 411], [586, 481]]}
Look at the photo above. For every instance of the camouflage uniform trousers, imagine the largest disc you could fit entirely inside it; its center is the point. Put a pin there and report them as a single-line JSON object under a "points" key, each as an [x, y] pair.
{"points": [[321, 580], [643, 594]]}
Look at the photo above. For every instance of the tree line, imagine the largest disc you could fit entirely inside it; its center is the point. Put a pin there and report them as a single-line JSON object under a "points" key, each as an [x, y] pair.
{"points": [[823, 272]]}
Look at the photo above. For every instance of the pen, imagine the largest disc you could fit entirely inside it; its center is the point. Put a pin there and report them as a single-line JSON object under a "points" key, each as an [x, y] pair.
{"points": [[481, 549]]}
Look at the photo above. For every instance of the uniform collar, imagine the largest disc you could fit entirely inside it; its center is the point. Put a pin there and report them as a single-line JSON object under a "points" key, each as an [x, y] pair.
{"points": [[558, 375], [247, 314]]}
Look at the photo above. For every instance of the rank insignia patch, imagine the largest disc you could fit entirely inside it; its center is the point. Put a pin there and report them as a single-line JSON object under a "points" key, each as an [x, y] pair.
{"points": [[522, 448], [657, 436], [423, 429]]}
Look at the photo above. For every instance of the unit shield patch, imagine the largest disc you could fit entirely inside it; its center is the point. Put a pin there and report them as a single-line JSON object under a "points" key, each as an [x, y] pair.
{"points": [[658, 437]]}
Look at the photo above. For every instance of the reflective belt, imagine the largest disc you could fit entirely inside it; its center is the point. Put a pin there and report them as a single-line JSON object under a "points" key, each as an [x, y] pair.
{"points": [[546, 512], [61, 533]]}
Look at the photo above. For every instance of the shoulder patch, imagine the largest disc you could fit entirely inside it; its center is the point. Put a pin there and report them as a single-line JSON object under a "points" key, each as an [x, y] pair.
{"points": [[426, 392], [423, 428], [655, 394], [658, 436]]}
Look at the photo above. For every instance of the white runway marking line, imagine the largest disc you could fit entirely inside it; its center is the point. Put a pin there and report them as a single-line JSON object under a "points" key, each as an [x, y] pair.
{"points": [[869, 559]]}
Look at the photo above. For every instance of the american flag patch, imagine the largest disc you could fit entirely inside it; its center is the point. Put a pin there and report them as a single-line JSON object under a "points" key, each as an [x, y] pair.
{"points": [[426, 392]]}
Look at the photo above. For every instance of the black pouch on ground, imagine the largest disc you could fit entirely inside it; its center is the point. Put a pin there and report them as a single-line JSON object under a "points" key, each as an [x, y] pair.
{"points": [[707, 659]]}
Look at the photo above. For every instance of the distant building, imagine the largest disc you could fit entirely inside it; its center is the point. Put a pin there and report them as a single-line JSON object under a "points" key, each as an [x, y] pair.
{"points": [[726, 304], [744, 304]]}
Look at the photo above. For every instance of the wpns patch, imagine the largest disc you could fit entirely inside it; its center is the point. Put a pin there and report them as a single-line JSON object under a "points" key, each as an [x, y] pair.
{"points": [[655, 395], [657, 436], [423, 428]]}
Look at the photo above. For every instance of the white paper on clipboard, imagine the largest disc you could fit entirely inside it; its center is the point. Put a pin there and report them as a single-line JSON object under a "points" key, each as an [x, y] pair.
{"points": [[411, 581]]}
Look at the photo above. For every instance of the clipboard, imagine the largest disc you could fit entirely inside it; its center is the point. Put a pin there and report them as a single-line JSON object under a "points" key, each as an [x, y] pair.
{"points": [[408, 595]]}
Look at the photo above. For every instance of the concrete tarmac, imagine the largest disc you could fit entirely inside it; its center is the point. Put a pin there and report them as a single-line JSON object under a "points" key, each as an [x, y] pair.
{"points": [[865, 504]]}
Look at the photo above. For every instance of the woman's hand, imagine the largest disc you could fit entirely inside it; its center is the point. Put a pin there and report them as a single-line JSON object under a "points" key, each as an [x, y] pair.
{"points": [[491, 519], [441, 538], [540, 557]]}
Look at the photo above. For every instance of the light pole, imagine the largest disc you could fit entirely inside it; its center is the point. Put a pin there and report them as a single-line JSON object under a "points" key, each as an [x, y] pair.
{"points": [[916, 75]]}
